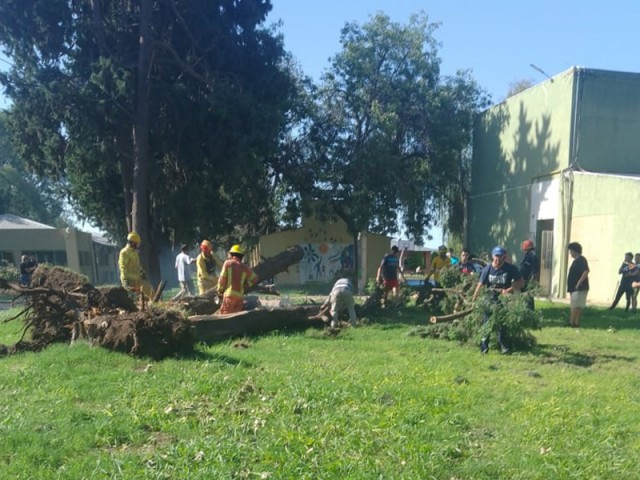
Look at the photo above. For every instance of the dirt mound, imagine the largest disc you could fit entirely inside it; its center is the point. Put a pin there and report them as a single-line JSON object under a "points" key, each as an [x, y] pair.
{"points": [[58, 278], [155, 333]]}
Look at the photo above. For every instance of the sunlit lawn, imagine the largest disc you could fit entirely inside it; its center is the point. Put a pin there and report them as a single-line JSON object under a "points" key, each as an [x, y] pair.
{"points": [[373, 402]]}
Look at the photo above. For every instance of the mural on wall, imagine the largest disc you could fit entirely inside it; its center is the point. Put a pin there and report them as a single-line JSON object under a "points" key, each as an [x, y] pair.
{"points": [[322, 261]]}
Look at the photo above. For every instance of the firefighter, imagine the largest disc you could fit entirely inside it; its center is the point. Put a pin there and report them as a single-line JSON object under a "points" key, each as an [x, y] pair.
{"points": [[206, 265], [132, 277], [235, 278]]}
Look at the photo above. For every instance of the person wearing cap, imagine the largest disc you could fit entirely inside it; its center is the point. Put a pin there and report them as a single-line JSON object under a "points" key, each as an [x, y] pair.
{"points": [[529, 267], [183, 260], [503, 279], [235, 279], [206, 264], [132, 277], [340, 299], [388, 273], [439, 263], [577, 283]]}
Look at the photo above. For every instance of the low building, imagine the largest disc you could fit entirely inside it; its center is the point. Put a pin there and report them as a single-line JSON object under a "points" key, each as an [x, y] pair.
{"points": [[328, 250], [82, 252], [558, 163]]}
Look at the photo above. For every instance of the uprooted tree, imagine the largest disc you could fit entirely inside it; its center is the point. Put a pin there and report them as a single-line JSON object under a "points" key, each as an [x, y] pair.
{"points": [[62, 306]]}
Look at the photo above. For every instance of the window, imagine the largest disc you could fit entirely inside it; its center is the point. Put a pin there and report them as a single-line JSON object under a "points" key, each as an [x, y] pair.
{"points": [[6, 257], [53, 257], [85, 258]]}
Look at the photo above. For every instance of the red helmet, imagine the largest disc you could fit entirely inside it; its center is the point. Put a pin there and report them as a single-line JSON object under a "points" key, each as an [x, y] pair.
{"points": [[206, 246], [527, 245]]}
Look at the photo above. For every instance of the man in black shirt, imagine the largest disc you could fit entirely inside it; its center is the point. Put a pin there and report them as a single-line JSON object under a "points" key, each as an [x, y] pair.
{"points": [[503, 279]]}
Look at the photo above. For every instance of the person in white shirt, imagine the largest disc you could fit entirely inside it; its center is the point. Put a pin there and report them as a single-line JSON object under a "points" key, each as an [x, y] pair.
{"points": [[341, 298], [183, 260]]}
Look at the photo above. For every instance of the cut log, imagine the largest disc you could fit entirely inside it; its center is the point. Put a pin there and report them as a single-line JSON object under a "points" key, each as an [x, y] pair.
{"points": [[209, 328], [279, 263], [450, 317]]}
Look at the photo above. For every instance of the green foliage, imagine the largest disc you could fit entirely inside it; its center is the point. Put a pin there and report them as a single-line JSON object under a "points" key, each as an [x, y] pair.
{"points": [[510, 314], [22, 193], [9, 272], [217, 91], [513, 317], [388, 131]]}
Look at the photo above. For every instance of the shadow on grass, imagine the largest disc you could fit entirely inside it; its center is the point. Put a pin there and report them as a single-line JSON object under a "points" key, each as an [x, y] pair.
{"points": [[213, 357], [563, 354], [596, 318]]}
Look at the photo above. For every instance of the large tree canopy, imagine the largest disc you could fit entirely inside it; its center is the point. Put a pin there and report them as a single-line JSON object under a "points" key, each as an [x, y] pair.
{"points": [[21, 192], [391, 136], [156, 115]]}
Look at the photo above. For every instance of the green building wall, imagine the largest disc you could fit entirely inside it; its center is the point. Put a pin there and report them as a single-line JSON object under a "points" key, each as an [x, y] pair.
{"points": [[608, 121], [579, 129], [526, 137]]}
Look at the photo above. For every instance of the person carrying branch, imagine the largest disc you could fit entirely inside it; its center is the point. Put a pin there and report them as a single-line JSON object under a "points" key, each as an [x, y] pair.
{"points": [[503, 279], [235, 279]]}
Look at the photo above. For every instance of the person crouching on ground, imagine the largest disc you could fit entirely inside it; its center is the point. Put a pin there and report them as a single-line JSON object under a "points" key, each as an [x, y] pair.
{"points": [[340, 299], [235, 279]]}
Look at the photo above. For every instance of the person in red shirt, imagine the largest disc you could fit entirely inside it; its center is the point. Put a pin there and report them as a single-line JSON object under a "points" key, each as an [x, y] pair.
{"points": [[235, 279]]}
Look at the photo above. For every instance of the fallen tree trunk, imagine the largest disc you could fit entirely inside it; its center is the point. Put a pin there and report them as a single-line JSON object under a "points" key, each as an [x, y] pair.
{"points": [[450, 317], [209, 328], [207, 303], [278, 263]]}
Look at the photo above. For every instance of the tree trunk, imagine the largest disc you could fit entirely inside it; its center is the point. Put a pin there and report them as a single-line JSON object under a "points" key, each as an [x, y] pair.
{"points": [[279, 263], [209, 328], [140, 204]]}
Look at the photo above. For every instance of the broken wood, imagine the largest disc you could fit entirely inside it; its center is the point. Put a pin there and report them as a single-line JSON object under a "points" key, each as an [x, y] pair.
{"points": [[278, 263], [209, 328], [450, 317]]}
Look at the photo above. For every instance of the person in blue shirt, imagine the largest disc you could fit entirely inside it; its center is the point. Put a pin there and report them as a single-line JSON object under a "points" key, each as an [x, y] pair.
{"points": [[388, 273], [502, 278]]}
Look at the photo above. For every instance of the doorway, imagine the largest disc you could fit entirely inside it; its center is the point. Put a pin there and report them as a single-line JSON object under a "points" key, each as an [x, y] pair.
{"points": [[544, 229]]}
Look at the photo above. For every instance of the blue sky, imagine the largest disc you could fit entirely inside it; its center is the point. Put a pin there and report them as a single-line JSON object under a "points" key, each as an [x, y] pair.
{"points": [[497, 40]]}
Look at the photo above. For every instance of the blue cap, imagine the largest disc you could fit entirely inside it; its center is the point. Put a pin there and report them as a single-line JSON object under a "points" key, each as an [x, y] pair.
{"points": [[498, 251]]}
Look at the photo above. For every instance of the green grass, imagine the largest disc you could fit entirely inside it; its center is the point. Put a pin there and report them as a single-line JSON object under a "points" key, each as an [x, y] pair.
{"points": [[373, 402]]}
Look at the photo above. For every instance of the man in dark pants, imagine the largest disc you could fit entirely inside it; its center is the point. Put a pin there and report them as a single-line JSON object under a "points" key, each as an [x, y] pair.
{"points": [[503, 279], [626, 280]]}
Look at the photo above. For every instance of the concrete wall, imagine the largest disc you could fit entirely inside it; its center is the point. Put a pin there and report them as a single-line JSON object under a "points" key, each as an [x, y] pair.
{"points": [[523, 139], [328, 248], [604, 223], [608, 121]]}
